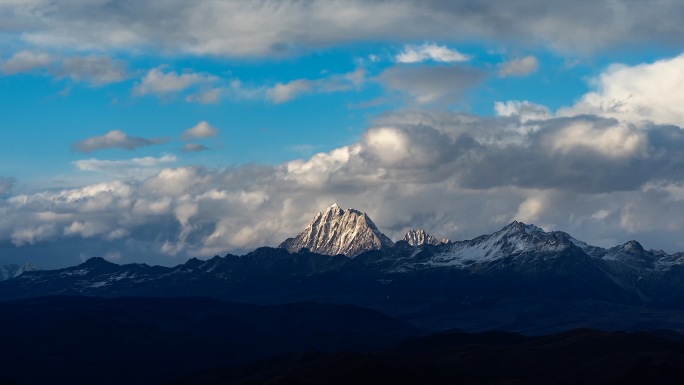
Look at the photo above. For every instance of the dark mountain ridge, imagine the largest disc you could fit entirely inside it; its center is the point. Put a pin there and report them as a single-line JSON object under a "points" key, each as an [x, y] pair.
{"points": [[468, 284], [518, 279]]}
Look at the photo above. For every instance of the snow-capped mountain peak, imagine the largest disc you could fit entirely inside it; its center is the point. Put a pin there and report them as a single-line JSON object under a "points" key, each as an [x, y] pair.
{"points": [[633, 246], [515, 238], [336, 231], [419, 238], [516, 227]]}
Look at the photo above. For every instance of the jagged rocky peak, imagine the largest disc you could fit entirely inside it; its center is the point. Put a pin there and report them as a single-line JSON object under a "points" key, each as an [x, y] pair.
{"points": [[420, 237], [633, 246], [336, 231], [535, 234], [516, 227]]}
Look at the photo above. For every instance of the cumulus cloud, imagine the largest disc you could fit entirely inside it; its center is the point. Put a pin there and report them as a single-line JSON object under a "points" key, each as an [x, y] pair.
{"points": [[645, 92], [268, 28], [430, 84], [162, 84], [200, 131], [615, 140], [430, 52], [519, 67], [114, 139]]}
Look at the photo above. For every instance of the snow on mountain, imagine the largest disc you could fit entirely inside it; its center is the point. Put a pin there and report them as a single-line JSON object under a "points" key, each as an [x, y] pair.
{"points": [[420, 237], [13, 270], [515, 238], [337, 231]]}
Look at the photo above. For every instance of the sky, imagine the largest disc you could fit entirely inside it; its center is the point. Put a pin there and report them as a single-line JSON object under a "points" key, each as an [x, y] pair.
{"points": [[152, 132]]}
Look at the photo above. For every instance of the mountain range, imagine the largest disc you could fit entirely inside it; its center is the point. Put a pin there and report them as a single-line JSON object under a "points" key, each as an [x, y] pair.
{"points": [[497, 280], [341, 303]]}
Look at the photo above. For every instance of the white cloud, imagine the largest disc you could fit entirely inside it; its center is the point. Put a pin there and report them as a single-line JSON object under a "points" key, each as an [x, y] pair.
{"points": [[390, 145], [525, 110], [83, 229], [356, 77], [650, 92], [618, 140], [183, 213], [31, 235], [201, 130], [519, 67], [240, 91], [114, 139], [162, 84], [96, 70], [600, 215], [26, 61], [100, 165], [532, 208], [206, 96], [175, 182], [93, 69], [430, 52], [284, 92], [144, 206]]}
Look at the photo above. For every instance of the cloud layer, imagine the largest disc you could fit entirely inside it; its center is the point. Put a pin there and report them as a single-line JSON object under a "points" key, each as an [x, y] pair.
{"points": [[282, 28], [95, 70], [454, 174]]}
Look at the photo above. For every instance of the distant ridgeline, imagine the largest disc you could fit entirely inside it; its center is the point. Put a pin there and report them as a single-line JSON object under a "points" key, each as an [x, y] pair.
{"points": [[14, 270], [520, 278]]}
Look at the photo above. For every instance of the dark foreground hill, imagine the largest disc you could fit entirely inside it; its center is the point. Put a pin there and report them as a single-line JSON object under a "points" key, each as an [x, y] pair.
{"points": [[80, 340], [580, 356]]}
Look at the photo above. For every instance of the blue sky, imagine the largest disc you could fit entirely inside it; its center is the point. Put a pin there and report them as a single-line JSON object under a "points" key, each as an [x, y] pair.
{"points": [[156, 131]]}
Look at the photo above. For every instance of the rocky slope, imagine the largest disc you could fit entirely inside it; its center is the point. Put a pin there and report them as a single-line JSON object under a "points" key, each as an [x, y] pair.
{"points": [[336, 231], [420, 237]]}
